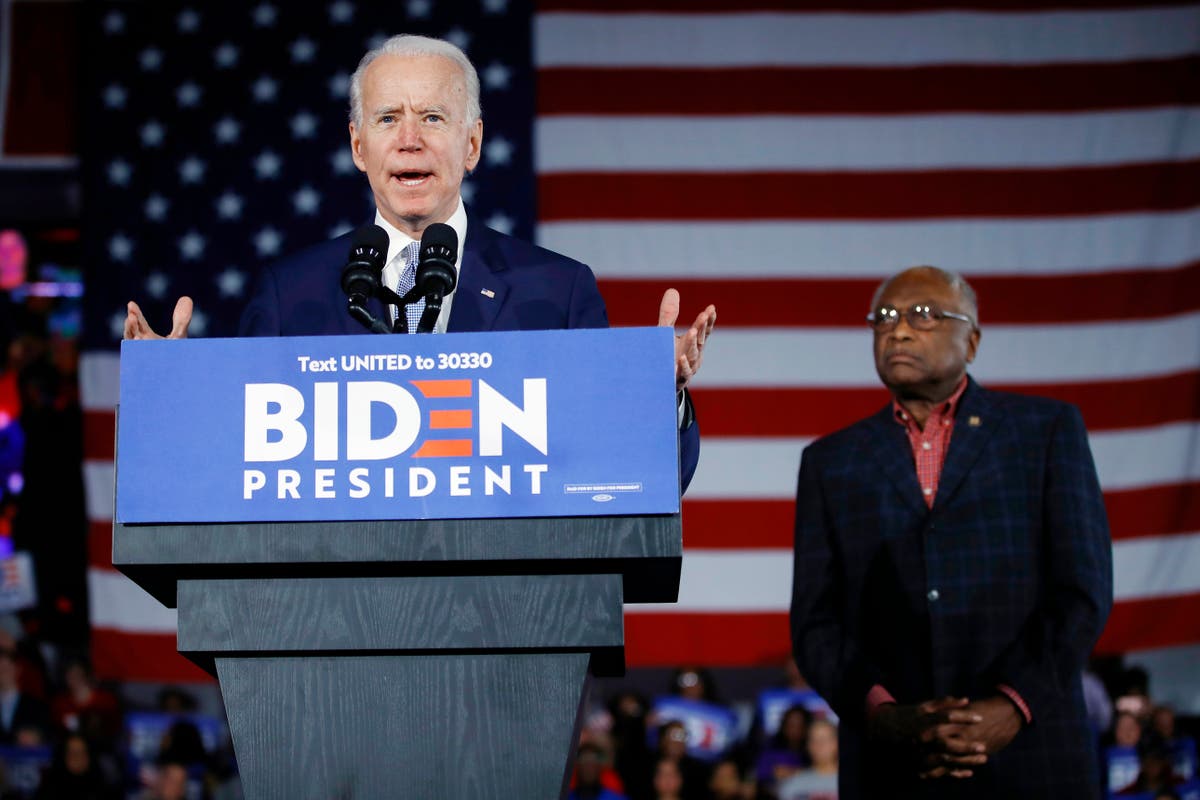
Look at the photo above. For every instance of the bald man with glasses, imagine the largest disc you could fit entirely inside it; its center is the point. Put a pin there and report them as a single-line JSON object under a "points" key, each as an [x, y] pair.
{"points": [[953, 570]]}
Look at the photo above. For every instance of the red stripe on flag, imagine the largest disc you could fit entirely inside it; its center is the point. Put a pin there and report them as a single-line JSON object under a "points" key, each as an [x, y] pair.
{"points": [[864, 90], [100, 540], [1150, 623], [816, 411], [729, 640], [99, 432], [126, 656], [715, 640], [768, 524], [841, 302], [1154, 511], [868, 195], [738, 524]]}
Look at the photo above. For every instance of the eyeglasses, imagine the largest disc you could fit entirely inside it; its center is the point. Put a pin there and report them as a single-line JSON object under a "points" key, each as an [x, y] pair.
{"points": [[921, 317]]}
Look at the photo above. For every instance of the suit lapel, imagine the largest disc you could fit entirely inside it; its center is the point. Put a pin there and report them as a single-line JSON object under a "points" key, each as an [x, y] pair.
{"points": [[890, 448], [482, 283], [974, 424]]}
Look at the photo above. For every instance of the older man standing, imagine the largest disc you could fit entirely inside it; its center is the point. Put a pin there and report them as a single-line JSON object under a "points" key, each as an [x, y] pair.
{"points": [[953, 570], [416, 130]]}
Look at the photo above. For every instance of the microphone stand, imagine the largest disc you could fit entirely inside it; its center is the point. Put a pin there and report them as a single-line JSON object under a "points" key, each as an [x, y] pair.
{"points": [[433, 308], [355, 305]]}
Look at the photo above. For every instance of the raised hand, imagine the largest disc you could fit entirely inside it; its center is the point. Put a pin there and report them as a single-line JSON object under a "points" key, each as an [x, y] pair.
{"points": [[136, 326], [689, 347]]}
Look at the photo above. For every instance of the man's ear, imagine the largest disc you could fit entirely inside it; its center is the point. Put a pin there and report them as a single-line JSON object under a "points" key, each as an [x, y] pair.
{"points": [[973, 343], [474, 144], [355, 149]]}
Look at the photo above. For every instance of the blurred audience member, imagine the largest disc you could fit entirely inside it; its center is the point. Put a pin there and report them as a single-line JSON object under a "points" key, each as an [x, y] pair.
{"points": [[786, 753], [672, 746], [75, 775], [668, 780], [183, 744], [1133, 694], [170, 782], [84, 707], [694, 683], [633, 760], [23, 719], [1157, 773], [820, 782], [591, 764], [31, 668], [174, 700], [1127, 730], [1162, 726], [726, 782]]}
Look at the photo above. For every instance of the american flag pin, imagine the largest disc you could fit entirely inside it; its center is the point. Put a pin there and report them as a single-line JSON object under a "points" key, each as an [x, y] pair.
{"points": [[974, 422], [487, 293]]}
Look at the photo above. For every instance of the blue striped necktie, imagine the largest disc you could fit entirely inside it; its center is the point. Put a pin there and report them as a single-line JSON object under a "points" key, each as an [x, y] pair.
{"points": [[408, 279]]}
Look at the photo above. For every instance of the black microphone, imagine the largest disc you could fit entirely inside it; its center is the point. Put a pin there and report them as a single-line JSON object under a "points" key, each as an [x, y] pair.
{"points": [[436, 276], [361, 277]]}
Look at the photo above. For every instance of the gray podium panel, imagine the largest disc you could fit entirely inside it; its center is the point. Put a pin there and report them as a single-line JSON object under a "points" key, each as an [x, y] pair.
{"points": [[404, 616], [645, 550], [485, 727]]}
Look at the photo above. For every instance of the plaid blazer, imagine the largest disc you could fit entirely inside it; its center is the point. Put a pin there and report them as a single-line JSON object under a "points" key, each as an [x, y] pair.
{"points": [[1007, 579]]}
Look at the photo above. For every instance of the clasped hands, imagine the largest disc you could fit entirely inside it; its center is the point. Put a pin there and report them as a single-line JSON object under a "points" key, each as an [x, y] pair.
{"points": [[948, 737], [689, 347]]}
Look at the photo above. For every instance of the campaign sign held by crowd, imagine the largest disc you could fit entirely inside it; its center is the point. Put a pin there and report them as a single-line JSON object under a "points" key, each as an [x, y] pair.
{"points": [[468, 425]]}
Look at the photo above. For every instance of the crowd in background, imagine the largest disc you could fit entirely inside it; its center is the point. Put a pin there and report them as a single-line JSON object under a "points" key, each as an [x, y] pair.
{"points": [[63, 735], [663, 748]]}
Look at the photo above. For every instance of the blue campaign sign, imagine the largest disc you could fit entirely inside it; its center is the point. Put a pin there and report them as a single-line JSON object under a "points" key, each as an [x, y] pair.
{"points": [[466, 425], [774, 703], [711, 729]]}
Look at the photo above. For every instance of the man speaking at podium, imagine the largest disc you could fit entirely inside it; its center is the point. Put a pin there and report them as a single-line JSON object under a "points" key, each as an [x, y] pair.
{"points": [[416, 130]]}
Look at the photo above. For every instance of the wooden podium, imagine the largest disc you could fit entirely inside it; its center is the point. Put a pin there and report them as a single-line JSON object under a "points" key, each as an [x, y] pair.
{"points": [[427, 658]]}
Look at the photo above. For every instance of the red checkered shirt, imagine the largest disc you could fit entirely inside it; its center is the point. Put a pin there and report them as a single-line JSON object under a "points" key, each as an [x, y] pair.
{"points": [[929, 447]]}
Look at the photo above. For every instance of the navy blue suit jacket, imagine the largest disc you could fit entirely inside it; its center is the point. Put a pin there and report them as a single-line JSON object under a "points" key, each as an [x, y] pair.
{"points": [[530, 288], [1006, 580]]}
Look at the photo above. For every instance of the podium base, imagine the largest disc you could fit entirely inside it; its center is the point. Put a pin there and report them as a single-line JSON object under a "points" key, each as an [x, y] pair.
{"points": [[415, 726]]}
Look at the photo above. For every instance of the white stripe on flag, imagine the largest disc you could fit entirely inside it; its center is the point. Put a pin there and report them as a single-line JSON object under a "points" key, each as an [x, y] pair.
{"points": [[1009, 354], [765, 469], [722, 581], [822, 143], [888, 40], [829, 249], [99, 380], [120, 604], [1141, 457], [734, 581], [1156, 566], [98, 485]]}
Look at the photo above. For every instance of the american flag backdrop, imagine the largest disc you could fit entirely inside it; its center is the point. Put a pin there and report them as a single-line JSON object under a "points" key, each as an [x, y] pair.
{"points": [[775, 158]]}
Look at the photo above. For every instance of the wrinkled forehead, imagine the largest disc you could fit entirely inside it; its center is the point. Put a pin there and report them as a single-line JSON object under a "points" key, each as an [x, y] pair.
{"points": [[425, 78]]}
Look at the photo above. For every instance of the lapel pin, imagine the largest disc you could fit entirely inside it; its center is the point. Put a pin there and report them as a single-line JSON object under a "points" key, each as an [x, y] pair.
{"points": [[974, 421], [488, 293]]}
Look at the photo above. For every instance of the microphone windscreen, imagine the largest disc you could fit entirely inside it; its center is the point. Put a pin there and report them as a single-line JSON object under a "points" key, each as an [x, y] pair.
{"points": [[439, 241], [370, 244]]}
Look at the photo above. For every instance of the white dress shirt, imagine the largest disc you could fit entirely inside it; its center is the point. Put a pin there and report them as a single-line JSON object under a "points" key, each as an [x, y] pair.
{"points": [[394, 265]]}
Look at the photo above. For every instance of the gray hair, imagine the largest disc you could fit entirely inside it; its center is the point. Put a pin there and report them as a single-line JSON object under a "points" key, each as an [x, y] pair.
{"points": [[952, 279], [409, 45]]}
